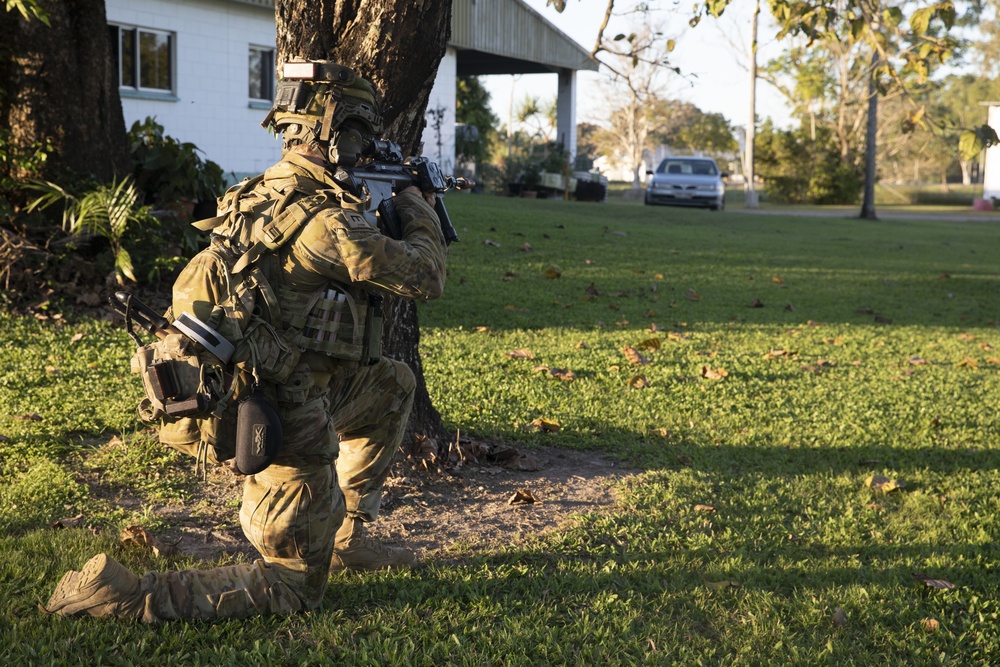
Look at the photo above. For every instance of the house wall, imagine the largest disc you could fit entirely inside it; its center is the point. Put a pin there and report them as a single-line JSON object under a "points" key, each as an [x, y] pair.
{"points": [[439, 133], [991, 166], [210, 107]]}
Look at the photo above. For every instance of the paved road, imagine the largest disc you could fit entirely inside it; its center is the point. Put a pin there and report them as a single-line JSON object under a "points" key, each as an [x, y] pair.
{"points": [[981, 217]]}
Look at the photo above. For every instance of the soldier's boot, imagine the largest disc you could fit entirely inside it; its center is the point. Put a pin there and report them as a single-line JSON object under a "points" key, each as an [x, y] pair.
{"points": [[355, 550], [102, 588]]}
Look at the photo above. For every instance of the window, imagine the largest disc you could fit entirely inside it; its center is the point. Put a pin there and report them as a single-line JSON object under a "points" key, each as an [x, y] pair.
{"points": [[144, 58], [261, 73]]}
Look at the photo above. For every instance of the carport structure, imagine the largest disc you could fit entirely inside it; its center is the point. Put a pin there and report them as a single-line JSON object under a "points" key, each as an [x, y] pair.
{"points": [[503, 37]]}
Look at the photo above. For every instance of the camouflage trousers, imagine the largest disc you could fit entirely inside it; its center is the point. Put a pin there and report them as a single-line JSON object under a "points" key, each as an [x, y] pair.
{"points": [[339, 441]]}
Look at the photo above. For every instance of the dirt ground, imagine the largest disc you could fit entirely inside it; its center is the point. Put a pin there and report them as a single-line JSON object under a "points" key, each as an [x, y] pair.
{"points": [[429, 508]]}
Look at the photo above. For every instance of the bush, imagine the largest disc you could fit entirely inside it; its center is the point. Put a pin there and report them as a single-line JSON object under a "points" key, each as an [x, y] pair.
{"points": [[799, 170]]}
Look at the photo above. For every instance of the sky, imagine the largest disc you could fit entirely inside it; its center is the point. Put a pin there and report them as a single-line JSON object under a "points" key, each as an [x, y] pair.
{"points": [[710, 57]]}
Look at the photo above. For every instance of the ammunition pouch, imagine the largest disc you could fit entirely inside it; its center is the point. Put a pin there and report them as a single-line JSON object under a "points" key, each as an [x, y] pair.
{"points": [[178, 379]]}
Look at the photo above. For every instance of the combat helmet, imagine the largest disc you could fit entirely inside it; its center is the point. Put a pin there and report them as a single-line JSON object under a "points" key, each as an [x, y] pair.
{"points": [[321, 102]]}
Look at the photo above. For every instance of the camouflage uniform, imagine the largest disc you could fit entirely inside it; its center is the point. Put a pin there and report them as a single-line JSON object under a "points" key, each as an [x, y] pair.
{"points": [[292, 510]]}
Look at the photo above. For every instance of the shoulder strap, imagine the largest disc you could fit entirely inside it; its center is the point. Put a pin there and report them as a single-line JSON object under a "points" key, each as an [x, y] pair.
{"points": [[228, 200]]}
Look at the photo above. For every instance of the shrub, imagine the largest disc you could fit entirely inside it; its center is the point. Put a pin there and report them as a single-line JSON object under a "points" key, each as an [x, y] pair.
{"points": [[799, 170]]}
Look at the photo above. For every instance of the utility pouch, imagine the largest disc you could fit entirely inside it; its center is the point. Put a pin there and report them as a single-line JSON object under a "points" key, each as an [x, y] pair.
{"points": [[373, 332], [178, 383]]}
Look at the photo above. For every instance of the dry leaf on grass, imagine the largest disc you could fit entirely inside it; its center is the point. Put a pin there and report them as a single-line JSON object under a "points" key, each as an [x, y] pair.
{"points": [[483, 329], [883, 483], [592, 290], [526, 247], [638, 382], [552, 273], [71, 522], [717, 374], [649, 344], [917, 361], [693, 295], [523, 497], [564, 374], [139, 537], [721, 585], [778, 354], [520, 353], [33, 417], [582, 345], [544, 425], [77, 337], [942, 584], [839, 617], [969, 362], [704, 508], [634, 356], [491, 242], [930, 624]]}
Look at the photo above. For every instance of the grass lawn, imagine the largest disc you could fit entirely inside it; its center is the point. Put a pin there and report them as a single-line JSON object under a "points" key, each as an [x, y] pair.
{"points": [[777, 364]]}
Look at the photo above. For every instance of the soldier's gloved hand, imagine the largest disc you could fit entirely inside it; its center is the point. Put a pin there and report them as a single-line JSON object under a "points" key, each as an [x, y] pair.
{"points": [[429, 197]]}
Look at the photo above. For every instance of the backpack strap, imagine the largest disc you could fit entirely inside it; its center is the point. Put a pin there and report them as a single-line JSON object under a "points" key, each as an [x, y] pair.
{"points": [[226, 204]]}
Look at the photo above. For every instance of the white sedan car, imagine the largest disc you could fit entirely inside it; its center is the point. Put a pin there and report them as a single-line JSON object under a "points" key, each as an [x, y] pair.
{"points": [[687, 181]]}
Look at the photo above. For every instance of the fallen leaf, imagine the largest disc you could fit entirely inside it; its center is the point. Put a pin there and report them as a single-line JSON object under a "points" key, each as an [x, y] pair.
{"points": [[879, 319], [883, 483], [930, 624], [552, 272], [638, 382], [491, 242], [717, 374], [779, 353], [563, 374], [520, 353], [777, 279], [77, 337], [944, 276], [985, 347], [917, 361], [52, 370], [591, 289], [71, 522], [33, 417], [684, 459], [544, 425], [654, 328], [4, 438], [993, 360], [649, 344], [483, 329], [675, 336], [942, 584], [634, 356], [756, 303], [516, 309], [839, 617], [966, 336], [704, 508], [510, 275], [523, 497], [839, 340], [969, 362], [693, 295], [790, 308], [582, 345], [139, 537], [662, 432], [721, 585], [526, 247]]}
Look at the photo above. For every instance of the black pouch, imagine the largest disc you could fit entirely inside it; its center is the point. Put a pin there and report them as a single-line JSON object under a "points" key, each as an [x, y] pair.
{"points": [[258, 434]]}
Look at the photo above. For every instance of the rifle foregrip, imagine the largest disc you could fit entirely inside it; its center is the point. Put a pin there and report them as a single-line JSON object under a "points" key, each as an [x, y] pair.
{"points": [[450, 235]]}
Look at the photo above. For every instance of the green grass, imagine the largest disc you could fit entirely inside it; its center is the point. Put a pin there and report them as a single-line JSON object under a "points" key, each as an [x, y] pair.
{"points": [[887, 328]]}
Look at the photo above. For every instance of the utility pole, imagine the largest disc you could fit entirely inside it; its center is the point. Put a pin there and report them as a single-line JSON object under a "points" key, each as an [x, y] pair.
{"points": [[749, 191]]}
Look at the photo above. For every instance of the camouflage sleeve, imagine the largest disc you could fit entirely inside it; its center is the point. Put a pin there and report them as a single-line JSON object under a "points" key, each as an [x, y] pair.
{"points": [[196, 289], [413, 267]]}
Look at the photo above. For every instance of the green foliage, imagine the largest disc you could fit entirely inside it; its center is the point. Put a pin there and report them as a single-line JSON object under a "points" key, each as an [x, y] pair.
{"points": [[29, 9], [473, 111], [799, 170], [15, 162], [171, 172], [107, 210]]}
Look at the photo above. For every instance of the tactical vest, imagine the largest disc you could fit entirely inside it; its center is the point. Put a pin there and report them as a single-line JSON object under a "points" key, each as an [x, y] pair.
{"points": [[269, 323]]}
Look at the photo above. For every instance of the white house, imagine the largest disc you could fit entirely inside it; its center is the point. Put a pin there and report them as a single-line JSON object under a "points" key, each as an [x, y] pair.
{"points": [[991, 165], [205, 69]]}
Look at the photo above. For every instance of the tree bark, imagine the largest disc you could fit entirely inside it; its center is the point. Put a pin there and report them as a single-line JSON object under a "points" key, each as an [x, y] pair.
{"points": [[397, 45], [58, 87]]}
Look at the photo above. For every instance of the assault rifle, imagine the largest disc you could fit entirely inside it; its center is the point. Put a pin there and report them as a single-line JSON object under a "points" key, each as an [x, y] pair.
{"points": [[387, 172]]}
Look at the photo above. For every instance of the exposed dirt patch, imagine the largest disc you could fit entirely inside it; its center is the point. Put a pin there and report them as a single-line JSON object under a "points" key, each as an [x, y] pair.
{"points": [[432, 512]]}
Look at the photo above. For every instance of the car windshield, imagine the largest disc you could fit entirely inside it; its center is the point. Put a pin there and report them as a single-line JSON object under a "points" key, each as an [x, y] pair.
{"points": [[697, 167]]}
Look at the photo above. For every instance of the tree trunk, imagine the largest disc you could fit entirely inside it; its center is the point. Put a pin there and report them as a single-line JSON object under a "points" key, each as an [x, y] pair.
{"points": [[397, 45], [58, 87], [750, 197], [871, 131]]}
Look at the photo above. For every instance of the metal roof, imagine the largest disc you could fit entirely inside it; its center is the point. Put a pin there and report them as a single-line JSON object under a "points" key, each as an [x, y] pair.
{"points": [[503, 37], [509, 37]]}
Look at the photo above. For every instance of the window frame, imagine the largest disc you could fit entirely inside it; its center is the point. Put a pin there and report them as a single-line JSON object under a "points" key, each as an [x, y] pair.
{"points": [[117, 50], [269, 72]]}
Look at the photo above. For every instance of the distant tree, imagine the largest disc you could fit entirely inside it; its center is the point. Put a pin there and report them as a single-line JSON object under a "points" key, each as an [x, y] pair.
{"points": [[685, 127], [474, 112]]}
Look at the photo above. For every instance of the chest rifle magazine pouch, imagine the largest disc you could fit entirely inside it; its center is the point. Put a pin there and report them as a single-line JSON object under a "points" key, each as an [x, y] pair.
{"points": [[258, 434]]}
